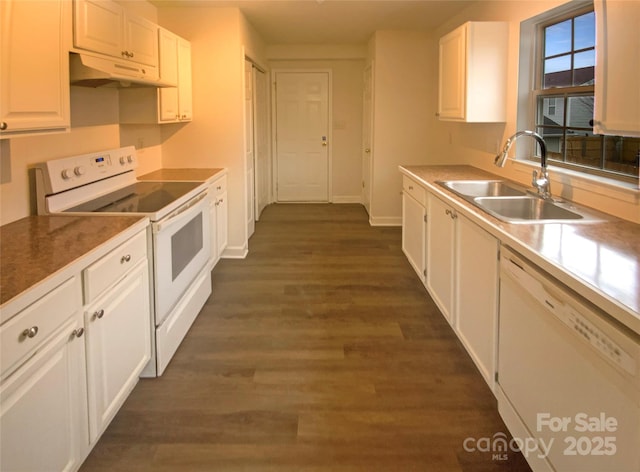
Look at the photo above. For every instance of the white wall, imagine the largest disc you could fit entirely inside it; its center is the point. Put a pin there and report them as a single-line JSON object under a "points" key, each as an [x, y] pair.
{"points": [[219, 40], [404, 111]]}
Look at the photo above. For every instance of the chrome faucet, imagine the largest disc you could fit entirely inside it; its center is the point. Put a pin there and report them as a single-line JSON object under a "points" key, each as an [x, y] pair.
{"points": [[540, 181]]}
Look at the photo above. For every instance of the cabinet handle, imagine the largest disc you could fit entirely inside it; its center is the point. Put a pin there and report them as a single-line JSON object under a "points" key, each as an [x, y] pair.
{"points": [[219, 187], [126, 258], [3, 126], [410, 187], [98, 314], [30, 332], [452, 214], [77, 332]]}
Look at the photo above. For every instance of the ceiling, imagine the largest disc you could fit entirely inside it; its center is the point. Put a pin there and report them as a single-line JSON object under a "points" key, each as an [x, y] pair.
{"points": [[333, 21]]}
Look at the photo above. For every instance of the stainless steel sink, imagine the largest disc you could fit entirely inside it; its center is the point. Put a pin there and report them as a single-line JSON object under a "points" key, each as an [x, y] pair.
{"points": [[512, 203], [514, 209], [483, 188]]}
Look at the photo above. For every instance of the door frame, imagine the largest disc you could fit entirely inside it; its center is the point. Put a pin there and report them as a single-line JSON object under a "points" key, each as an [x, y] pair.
{"points": [[274, 127]]}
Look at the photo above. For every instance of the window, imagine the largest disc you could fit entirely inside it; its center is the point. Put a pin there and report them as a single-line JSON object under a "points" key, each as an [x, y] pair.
{"points": [[563, 94]]}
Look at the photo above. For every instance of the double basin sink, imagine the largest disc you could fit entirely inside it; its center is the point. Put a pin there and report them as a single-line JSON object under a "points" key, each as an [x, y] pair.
{"points": [[514, 204]]}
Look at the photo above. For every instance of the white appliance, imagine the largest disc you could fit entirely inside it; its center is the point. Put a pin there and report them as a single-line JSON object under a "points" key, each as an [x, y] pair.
{"points": [[104, 183], [568, 376]]}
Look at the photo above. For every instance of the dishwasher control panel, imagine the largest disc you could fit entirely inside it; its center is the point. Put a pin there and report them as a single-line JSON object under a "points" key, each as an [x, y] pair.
{"points": [[599, 340]]}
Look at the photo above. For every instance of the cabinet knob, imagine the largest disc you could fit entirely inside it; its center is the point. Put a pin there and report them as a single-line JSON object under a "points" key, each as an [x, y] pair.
{"points": [[126, 258], [3, 126], [98, 314], [77, 332], [30, 332]]}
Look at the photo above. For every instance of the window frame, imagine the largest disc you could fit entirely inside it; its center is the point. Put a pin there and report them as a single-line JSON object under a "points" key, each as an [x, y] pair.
{"points": [[530, 83]]}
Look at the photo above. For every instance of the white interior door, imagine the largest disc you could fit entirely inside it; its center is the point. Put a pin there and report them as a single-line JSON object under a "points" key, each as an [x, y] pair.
{"points": [[249, 149], [302, 140], [367, 126], [262, 165]]}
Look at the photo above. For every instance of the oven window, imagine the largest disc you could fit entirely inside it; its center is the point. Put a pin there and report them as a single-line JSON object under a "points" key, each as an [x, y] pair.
{"points": [[185, 245]]}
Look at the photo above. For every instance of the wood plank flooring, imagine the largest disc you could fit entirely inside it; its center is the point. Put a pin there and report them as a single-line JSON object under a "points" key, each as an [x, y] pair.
{"points": [[321, 351]]}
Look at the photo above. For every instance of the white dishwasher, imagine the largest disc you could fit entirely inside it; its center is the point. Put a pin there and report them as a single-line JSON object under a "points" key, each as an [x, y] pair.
{"points": [[568, 381]]}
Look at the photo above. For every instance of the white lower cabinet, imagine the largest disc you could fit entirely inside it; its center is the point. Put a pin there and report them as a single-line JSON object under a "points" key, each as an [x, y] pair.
{"points": [[118, 335], [219, 218], [462, 278], [440, 255], [62, 377], [414, 225], [476, 299], [43, 399]]}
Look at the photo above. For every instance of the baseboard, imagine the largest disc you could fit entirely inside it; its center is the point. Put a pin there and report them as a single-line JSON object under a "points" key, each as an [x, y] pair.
{"points": [[385, 220], [235, 252], [347, 199]]}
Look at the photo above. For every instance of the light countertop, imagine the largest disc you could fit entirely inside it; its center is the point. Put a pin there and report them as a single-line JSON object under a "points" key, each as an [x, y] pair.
{"points": [[34, 248], [183, 175], [599, 260]]}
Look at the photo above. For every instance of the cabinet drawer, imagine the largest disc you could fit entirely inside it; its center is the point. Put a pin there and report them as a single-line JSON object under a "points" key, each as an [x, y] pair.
{"points": [[219, 186], [22, 335], [414, 189], [112, 267]]}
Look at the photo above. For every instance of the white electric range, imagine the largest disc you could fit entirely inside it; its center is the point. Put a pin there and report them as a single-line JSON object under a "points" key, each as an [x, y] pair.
{"points": [[104, 183]]}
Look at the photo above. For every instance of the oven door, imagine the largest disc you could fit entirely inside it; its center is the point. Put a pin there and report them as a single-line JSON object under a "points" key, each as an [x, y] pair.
{"points": [[181, 249]]}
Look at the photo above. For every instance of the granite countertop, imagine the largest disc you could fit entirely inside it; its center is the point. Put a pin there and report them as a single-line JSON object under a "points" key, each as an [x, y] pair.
{"points": [[599, 260], [35, 247], [182, 175]]}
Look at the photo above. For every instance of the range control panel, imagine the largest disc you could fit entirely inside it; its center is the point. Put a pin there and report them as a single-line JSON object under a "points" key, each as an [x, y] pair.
{"points": [[71, 172]]}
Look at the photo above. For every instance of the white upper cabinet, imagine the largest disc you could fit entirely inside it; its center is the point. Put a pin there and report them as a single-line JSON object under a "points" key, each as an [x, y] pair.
{"points": [[617, 89], [165, 104], [104, 27], [473, 73], [34, 72], [175, 104]]}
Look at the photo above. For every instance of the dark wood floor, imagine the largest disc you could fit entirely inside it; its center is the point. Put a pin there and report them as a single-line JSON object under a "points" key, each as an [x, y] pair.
{"points": [[321, 351]]}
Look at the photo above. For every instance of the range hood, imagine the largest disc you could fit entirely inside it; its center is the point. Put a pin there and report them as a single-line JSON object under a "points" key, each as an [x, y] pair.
{"points": [[104, 71]]}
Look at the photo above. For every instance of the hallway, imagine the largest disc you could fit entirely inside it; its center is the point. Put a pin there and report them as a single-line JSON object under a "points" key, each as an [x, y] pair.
{"points": [[321, 351]]}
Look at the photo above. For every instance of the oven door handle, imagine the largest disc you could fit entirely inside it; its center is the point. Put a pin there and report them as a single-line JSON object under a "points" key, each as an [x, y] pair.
{"points": [[179, 213]]}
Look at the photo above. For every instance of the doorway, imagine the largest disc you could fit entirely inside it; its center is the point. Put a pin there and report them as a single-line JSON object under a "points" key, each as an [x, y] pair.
{"points": [[302, 136]]}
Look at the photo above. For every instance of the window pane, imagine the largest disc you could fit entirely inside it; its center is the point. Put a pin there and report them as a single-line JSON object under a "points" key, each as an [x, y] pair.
{"points": [[557, 38], [551, 111], [585, 31], [583, 148], [557, 72], [580, 111], [553, 138], [622, 154], [584, 67]]}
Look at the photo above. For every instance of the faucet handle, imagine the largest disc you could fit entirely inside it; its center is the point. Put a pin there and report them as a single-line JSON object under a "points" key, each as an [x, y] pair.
{"points": [[534, 178]]}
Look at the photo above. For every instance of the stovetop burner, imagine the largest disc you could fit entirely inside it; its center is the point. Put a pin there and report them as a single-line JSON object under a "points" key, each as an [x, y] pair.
{"points": [[140, 197]]}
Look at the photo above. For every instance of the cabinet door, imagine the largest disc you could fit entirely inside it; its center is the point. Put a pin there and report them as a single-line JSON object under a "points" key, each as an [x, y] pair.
{"points": [[185, 99], [617, 93], [98, 27], [118, 346], [476, 295], [413, 233], [440, 255], [141, 40], [34, 72], [221, 222], [452, 72], [168, 96], [43, 412]]}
